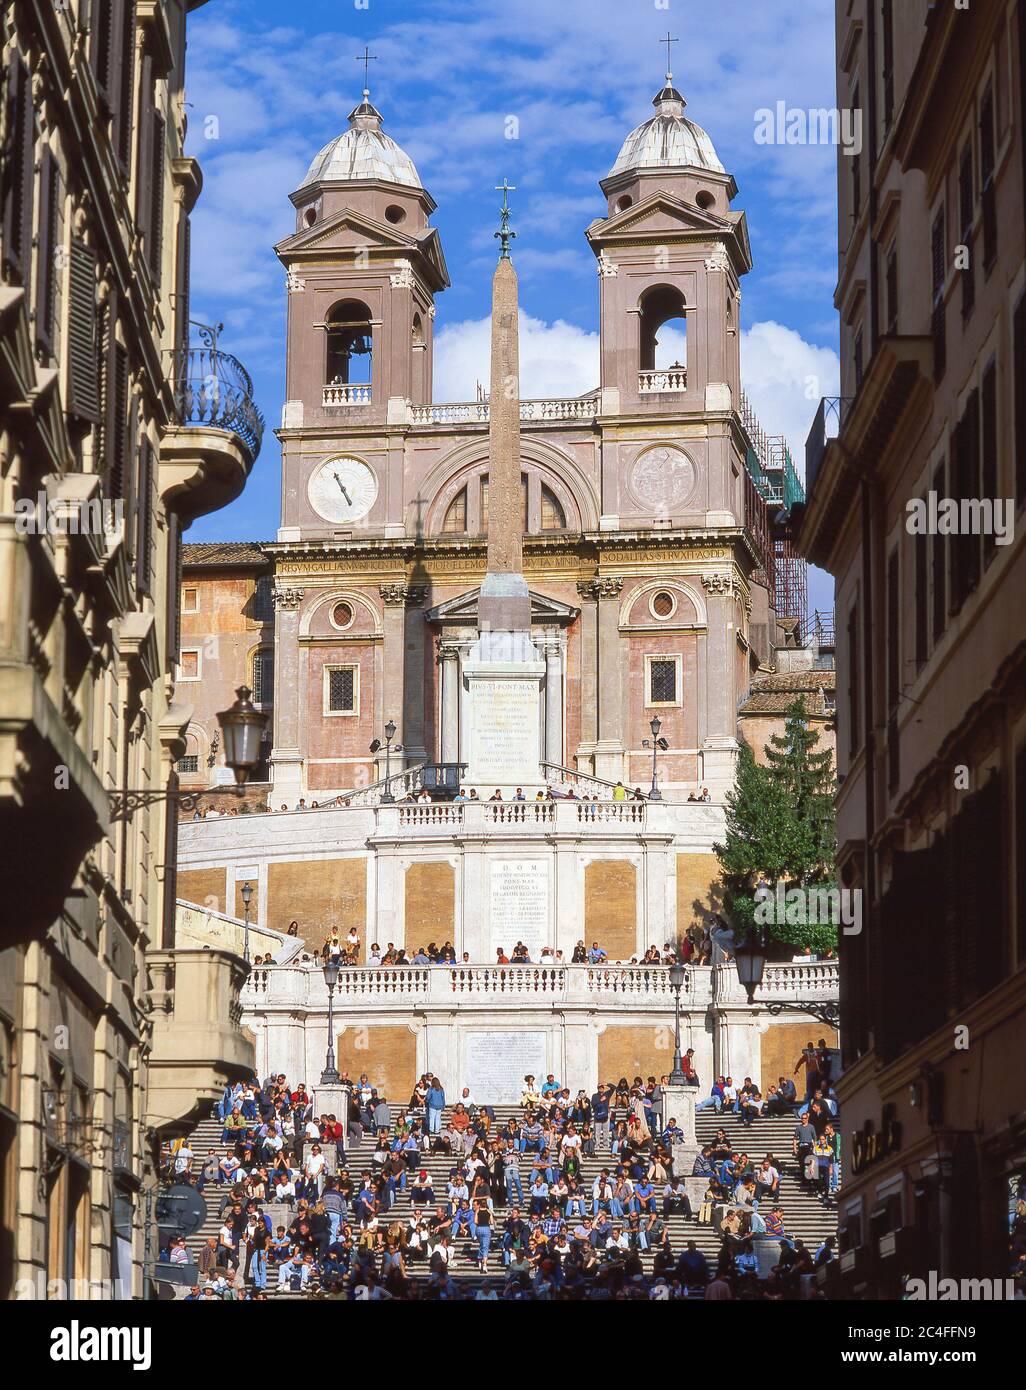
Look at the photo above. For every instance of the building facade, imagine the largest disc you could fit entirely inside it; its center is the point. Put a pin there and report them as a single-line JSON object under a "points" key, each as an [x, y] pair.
{"points": [[648, 502], [108, 450], [931, 678]]}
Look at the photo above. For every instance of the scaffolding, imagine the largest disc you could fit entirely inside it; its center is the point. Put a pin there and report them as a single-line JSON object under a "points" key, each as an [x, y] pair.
{"points": [[771, 469]]}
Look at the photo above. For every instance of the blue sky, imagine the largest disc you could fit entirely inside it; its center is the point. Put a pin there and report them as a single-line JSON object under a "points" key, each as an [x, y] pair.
{"points": [[267, 87]]}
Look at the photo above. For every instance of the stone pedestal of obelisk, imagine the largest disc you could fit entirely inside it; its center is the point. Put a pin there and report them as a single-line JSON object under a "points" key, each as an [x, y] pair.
{"points": [[679, 1105], [504, 669]]}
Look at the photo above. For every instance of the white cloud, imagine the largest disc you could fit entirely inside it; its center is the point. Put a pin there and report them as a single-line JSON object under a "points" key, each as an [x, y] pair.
{"points": [[784, 377], [556, 359]]}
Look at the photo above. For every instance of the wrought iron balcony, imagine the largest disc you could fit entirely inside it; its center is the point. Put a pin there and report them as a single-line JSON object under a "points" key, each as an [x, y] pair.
{"points": [[827, 425], [214, 390]]}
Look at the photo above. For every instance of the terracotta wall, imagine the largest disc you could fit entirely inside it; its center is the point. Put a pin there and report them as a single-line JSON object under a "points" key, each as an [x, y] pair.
{"points": [[388, 1054], [430, 893], [329, 895], [207, 887], [610, 906]]}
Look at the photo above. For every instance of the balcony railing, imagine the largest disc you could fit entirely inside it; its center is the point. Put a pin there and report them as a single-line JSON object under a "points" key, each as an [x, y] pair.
{"points": [[337, 395], [371, 989], [830, 417], [213, 388], [478, 412], [672, 379]]}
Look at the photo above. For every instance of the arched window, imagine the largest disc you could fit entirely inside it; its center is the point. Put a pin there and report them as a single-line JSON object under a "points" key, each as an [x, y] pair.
{"points": [[350, 344], [484, 502], [455, 522], [664, 330], [263, 676], [418, 331], [188, 763], [552, 515]]}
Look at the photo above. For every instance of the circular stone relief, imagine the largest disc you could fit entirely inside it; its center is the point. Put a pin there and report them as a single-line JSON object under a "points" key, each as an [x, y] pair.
{"points": [[662, 479]]}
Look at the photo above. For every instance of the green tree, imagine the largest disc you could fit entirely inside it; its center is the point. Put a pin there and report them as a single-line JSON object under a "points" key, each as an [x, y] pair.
{"points": [[780, 829]]}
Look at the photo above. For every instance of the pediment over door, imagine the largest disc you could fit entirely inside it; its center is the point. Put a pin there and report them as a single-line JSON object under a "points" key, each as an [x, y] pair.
{"points": [[462, 611]]}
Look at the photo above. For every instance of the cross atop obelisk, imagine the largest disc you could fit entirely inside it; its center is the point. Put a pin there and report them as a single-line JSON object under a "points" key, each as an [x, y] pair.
{"points": [[504, 604]]}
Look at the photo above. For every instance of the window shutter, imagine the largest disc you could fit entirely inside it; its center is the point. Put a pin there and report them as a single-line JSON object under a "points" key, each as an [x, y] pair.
{"points": [[83, 367], [144, 173], [182, 304], [46, 269], [18, 162], [103, 36], [174, 588], [126, 83], [117, 430], [144, 517], [156, 215]]}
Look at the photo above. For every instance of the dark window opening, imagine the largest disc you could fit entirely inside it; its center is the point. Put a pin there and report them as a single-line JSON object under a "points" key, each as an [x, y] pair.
{"points": [[350, 344]]}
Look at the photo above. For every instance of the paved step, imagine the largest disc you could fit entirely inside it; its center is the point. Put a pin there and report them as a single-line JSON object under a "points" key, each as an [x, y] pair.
{"points": [[808, 1217]]}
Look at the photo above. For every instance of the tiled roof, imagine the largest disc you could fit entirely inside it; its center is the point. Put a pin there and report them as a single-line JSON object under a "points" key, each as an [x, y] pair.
{"points": [[813, 678], [772, 702], [228, 553]]}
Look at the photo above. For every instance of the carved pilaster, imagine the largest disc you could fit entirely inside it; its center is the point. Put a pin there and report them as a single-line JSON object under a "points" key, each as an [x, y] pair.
{"points": [[287, 597], [402, 595]]}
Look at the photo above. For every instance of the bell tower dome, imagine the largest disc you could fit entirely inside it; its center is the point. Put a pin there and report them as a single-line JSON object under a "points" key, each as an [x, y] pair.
{"points": [[362, 270], [671, 252]]}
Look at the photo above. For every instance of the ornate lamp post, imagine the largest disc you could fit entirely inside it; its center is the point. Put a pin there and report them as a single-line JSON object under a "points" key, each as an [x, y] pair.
{"points": [[656, 744], [751, 967], [242, 726], [390, 748], [677, 977], [330, 1076], [247, 895]]}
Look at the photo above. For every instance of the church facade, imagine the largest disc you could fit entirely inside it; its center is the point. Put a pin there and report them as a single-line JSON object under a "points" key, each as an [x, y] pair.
{"points": [[648, 549]]}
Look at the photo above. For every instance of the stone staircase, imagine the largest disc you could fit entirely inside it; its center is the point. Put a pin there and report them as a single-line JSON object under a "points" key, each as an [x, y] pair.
{"points": [[808, 1216]]}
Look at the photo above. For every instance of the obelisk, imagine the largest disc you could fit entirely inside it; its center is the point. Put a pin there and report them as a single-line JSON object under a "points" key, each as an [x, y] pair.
{"points": [[504, 669], [505, 605]]}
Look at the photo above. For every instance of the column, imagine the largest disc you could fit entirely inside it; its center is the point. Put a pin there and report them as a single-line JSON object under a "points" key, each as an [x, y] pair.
{"points": [[720, 742], [286, 759], [414, 730], [588, 590], [449, 658], [390, 706], [554, 702], [610, 742]]}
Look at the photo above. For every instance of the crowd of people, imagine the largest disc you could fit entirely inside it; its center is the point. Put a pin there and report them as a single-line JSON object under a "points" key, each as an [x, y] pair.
{"points": [[514, 1201], [422, 796]]}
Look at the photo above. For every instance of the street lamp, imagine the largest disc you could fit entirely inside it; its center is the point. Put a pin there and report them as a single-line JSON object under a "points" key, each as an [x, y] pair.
{"points": [[751, 964], [390, 748], [656, 744], [751, 967], [242, 726], [330, 1076], [247, 895], [677, 976]]}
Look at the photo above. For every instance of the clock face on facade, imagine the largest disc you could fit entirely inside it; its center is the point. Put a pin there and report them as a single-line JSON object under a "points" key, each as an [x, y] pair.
{"points": [[342, 489], [662, 479]]}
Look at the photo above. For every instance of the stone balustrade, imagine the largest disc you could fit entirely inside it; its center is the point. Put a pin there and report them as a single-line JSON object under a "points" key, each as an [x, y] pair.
{"points": [[337, 394], [672, 379], [637, 987], [478, 412]]}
